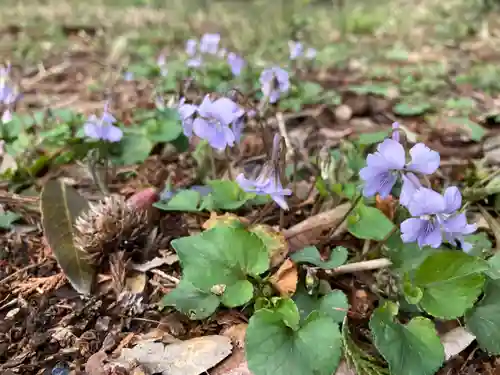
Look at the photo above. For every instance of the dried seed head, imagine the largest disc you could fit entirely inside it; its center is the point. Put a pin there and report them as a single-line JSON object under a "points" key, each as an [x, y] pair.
{"points": [[109, 226]]}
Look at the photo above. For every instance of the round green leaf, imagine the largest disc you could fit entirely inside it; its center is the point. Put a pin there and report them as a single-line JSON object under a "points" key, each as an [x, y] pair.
{"points": [[484, 319], [451, 281], [273, 348], [412, 349], [222, 255], [191, 301], [238, 293], [370, 224]]}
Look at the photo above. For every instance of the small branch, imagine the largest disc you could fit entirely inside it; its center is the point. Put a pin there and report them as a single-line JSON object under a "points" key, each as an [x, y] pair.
{"points": [[283, 132], [367, 265]]}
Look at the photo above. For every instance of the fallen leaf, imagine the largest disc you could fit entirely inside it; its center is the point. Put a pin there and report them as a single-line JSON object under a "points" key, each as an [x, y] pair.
{"points": [[95, 364], [275, 241], [387, 206], [235, 364], [455, 341], [155, 263], [285, 279], [237, 334], [191, 357], [308, 232], [60, 206], [136, 283]]}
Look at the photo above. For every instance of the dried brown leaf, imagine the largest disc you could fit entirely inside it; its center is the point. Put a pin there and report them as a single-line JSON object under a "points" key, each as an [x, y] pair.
{"points": [[60, 206], [285, 279], [191, 357]]}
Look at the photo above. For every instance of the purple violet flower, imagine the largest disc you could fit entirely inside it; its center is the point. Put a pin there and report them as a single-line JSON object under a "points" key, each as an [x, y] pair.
{"points": [[388, 163], [209, 43], [195, 62], [296, 49], [186, 113], [268, 182], [102, 128], [274, 81], [436, 216], [8, 94], [191, 45], [214, 119], [236, 63], [128, 76], [310, 53]]}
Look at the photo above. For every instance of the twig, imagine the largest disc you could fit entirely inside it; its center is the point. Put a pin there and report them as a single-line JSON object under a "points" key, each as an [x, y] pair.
{"points": [[172, 279], [283, 132], [44, 73], [19, 271], [366, 265]]}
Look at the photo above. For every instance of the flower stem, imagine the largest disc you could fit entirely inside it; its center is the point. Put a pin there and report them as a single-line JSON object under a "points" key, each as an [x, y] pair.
{"points": [[228, 161], [379, 245], [212, 164], [341, 221]]}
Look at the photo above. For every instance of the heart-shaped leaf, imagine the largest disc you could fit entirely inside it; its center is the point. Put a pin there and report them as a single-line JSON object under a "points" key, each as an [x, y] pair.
{"points": [[411, 349], [313, 348], [484, 319], [450, 281]]}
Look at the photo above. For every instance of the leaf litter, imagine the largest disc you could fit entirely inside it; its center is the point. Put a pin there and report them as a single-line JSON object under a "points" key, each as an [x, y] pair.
{"points": [[74, 323]]}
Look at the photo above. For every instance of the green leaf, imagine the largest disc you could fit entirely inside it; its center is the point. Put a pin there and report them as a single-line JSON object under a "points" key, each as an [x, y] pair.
{"points": [[369, 223], [315, 348], [8, 218], [372, 138], [451, 281], [227, 255], [406, 256], [237, 294], [225, 195], [166, 127], [411, 349], [311, 255], [191, 301], [184, 200], [135, 148], [288, 311], [476, 132], [484, 319], [374, 89], [493, 271], [411, 109], [60, 206]]}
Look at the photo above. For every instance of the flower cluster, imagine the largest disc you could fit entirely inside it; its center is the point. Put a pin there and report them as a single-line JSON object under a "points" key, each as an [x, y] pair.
{"points": [[103, 128], [209, 46], [220, 122], [435, 217]]}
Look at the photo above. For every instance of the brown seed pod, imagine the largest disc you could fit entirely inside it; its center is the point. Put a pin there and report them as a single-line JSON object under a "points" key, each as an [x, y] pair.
{"points": [[112, 225]]}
